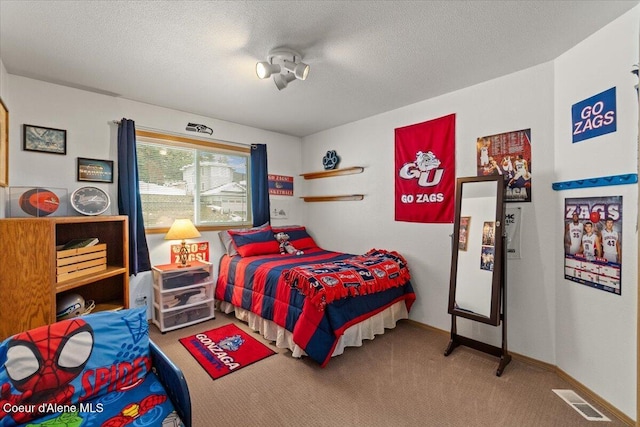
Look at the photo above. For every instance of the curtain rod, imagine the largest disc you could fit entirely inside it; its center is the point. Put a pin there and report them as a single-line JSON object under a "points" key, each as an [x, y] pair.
{"points": [[117, 122]]}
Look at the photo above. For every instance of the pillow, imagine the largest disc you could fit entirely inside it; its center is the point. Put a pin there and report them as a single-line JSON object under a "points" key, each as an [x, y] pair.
{"points": [[227, 242], [76, 359], [279, 228], [256, 242], [298, 236]]}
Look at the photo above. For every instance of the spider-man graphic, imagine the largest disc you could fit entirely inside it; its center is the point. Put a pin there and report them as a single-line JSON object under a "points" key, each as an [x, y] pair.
{"points": [[42, 363], [134, 410]]}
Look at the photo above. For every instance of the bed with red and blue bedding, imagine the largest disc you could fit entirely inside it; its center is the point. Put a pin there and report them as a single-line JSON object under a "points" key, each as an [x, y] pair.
{"points": [[316, 303]]}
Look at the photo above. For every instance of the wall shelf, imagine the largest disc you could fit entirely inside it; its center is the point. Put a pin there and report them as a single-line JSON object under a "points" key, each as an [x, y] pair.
{"points": [[603, 181], [333, 172], [345, 198], [330, 173]]}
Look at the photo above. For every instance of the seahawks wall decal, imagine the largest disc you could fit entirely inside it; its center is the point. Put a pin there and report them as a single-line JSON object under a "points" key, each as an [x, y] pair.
{"points": [[195, 127]]}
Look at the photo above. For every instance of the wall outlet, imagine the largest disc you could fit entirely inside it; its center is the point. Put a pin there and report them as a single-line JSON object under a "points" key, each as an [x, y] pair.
{"points": [[141, 300]]}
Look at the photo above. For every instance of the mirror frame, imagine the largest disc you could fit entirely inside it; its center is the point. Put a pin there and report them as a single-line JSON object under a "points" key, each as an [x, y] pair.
{"points": [[499, 259]]}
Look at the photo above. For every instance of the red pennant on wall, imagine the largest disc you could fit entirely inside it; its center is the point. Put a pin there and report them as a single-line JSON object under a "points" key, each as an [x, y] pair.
{"points": [[425, 171]]}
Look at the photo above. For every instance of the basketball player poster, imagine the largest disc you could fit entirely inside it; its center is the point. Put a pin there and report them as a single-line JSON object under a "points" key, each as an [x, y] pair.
{"points": [[507, 154], [488, 245], [593, 242]]}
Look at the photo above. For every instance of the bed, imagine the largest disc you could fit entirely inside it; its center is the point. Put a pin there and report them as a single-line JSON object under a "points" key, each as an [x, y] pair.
{"points": [[316, 303]]}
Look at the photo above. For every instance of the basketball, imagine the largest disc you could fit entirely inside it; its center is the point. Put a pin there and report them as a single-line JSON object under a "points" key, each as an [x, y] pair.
{"points": [[39, 202], [595, 217]]}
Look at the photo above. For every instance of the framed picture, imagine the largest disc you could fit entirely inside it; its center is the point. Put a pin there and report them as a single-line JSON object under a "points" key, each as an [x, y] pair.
{"points": [[94, 170], [45, 140], [4, 145], [463, 234]]}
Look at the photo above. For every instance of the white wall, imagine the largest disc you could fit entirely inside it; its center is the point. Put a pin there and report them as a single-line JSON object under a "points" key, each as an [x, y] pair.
{"points": [[3, 94], [88, 118], [3, 79], [588, 333], [596, 330], [518, 101]]}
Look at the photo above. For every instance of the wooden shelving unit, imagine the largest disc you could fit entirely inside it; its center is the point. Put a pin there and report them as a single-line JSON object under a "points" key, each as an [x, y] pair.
{"points": [[28, 283], [331, 173]]}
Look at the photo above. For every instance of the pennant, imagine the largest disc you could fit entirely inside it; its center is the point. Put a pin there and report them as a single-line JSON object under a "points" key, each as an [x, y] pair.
{"points": [[280, 185], [425, 171]]}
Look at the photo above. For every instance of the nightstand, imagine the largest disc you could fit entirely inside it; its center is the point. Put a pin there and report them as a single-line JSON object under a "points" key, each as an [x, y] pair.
{"points": [[182, 296]]}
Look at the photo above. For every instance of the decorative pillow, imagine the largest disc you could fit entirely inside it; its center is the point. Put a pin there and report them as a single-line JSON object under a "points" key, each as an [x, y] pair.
{"points": [[298, 236], [227, 242], [258, 242], [74, 360], [279, 228]]}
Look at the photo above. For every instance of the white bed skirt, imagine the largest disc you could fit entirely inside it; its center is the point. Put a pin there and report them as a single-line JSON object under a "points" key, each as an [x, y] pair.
{"points": [[352, 337]]}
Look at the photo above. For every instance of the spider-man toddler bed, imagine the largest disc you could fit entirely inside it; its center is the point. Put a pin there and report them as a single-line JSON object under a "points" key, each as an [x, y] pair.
{"points": [[315, 303], [94, 370]]}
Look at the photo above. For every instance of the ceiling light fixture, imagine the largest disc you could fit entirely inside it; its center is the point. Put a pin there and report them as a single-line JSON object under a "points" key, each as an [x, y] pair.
{"points": [[285, 65]]}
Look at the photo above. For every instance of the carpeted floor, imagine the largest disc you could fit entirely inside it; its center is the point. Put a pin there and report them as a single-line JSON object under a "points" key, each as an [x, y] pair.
{"points": [[400, 378]]}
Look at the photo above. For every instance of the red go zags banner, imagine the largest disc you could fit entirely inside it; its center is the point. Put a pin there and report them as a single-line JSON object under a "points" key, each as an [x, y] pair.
{"points": [[425, 171]]}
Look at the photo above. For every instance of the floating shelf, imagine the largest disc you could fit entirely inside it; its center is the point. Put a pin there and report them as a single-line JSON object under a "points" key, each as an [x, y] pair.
{"points": [[603, 181], [349, 197], [333, 172]]}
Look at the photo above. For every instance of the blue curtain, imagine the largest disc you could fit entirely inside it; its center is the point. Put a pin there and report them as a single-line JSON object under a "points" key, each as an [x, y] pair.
{"points": [[129, 197], [259, 184]]}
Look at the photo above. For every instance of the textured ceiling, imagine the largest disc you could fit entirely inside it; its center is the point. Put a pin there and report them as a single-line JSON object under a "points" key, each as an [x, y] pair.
{"points": [[366, 57]]}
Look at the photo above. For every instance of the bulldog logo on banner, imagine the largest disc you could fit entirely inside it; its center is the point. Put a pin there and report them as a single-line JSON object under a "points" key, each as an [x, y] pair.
{"points": [[425, 171]]}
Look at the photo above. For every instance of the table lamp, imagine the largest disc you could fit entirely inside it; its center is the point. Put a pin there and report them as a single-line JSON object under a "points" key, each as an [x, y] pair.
{"points": [[182, 229]]}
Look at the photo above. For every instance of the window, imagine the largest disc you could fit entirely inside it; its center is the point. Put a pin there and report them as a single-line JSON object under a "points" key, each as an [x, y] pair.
{"points": [[205, 181]]}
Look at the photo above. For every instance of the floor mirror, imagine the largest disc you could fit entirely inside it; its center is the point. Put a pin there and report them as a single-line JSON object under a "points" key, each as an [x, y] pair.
{"points": [[477, 289]]}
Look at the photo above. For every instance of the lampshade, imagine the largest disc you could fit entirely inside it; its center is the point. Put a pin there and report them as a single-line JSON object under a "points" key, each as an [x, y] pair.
{"points": [[182, 229]]}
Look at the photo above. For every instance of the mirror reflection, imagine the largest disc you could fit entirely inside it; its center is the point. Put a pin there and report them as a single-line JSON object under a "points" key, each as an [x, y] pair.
{"points": [[474, 277], [476, 259]]}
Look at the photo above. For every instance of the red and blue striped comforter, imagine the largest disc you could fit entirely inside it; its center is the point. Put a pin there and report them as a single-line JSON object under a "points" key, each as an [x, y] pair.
{"points": [[257, 284]]}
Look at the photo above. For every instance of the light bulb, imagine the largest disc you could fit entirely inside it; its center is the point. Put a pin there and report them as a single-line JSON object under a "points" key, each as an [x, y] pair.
{"points": [[265, 69]]}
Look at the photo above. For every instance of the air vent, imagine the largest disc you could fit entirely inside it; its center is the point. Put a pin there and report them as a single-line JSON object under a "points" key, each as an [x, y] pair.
{"points": [[579, 404]]}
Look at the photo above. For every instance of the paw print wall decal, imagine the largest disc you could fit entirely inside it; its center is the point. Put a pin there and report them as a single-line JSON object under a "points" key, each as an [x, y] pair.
{"points": [[330, 160]]}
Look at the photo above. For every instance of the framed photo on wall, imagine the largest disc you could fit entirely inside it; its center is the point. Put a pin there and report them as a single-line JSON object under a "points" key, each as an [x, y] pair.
{"points": [[45, 140], [4, 145], [95, 170]]}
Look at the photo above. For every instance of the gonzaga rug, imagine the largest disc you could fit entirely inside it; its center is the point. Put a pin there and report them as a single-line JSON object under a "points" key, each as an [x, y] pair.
{"points": [[224, 350]]}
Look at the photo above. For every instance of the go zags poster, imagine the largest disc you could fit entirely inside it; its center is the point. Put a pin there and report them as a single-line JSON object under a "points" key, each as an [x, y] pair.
{"points": [[425, 171], [198, 251]]}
